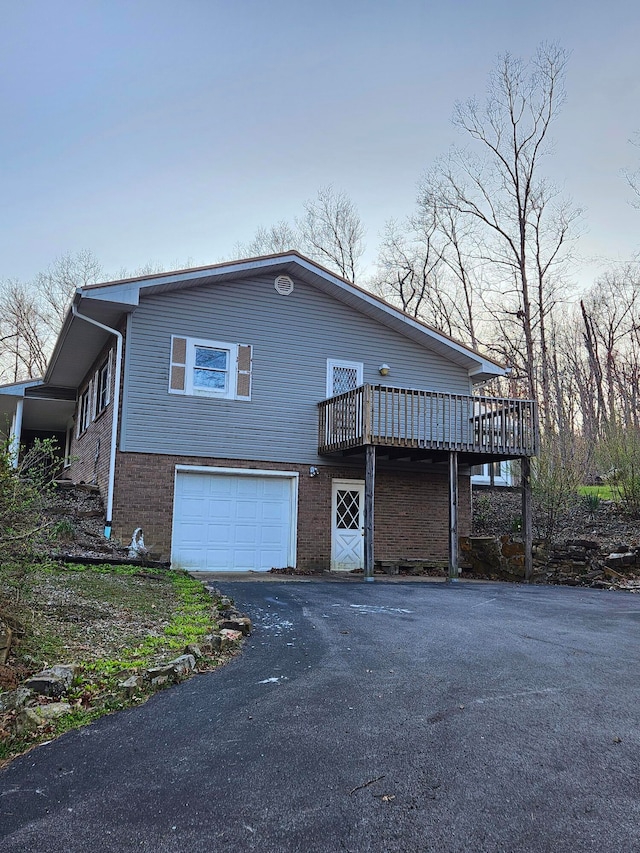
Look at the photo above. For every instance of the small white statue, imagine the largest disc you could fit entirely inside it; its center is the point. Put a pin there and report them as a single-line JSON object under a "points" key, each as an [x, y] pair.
{"points": [[137, 548]]}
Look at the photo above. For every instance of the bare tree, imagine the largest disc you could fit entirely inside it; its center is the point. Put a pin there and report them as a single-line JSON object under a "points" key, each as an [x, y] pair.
{"points": [[59, 282], [523, 224], [407, 264], [24, 335], [424, 267], [277, 238], [633, 177], [331, 232], [611, 321]]}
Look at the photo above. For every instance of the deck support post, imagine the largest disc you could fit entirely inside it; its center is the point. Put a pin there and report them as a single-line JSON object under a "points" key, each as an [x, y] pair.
{"points": [[527, 517], [369, 488], [453, 516]]}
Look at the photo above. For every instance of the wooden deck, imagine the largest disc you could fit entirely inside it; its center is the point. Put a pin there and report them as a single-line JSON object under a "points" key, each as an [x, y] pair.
{"points": [[382, 416]]}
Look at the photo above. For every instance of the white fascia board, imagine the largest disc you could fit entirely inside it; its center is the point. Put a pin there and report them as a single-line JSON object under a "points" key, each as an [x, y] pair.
{"points": [[126, 294], [129, 291]]}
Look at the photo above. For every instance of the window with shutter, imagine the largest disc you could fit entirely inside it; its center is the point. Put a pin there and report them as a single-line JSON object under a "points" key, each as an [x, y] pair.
{"points": [[205, 368]]}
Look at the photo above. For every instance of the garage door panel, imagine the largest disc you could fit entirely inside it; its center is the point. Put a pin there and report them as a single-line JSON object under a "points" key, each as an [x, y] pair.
{"points": [[247, 534], [247, 510], [232, 522], [274, 511], [216, 508]]}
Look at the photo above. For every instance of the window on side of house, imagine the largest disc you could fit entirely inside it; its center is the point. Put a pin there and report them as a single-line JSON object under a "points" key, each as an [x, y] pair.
{"points": [[85, 408], [343, 376], [103, 386], [496, 473], [205, 368]]}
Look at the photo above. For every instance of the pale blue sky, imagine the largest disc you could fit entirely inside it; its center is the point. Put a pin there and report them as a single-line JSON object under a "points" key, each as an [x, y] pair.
{"points": [[149, 130]]}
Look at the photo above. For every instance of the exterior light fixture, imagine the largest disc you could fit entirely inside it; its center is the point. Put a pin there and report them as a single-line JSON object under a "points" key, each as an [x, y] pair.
{"points": [[384, 369], [313, 471]]}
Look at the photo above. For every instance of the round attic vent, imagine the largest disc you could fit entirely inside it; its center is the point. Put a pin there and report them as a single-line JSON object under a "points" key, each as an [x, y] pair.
{"points": [[284, 285]]}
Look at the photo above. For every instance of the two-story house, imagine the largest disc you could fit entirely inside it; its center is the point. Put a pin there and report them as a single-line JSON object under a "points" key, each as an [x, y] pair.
{"points": [[267, 413]]}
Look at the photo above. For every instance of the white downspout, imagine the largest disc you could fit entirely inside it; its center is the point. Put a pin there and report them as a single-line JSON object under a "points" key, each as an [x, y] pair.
{"points": [[16, 432], [114, 421]]}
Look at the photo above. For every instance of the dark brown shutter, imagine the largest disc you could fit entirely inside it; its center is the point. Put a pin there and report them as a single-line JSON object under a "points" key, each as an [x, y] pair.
{"points": [[243, 378], [178, 371]]}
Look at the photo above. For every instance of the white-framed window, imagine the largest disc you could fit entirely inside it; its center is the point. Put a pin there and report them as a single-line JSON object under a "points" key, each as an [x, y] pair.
{"points": [[206, 368], [96, 396], [103, 386], [343, 376], [492, 473], [85, 408]]}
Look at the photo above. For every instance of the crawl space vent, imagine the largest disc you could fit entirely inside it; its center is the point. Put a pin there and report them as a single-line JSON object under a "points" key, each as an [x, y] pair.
{"points": [[284, 285]]}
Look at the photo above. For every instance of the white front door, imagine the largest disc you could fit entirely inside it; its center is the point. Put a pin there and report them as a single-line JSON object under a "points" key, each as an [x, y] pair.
{"points": [[347, 525]]}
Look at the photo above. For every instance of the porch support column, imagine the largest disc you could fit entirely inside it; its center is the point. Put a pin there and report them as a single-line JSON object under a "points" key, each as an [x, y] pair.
{"points": [[16, 434], [527, 523], [369, 488], [453, 516]]}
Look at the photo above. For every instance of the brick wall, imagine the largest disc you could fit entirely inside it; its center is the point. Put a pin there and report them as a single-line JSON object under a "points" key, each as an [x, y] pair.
{"points": [[411, 507], [90, 451]]}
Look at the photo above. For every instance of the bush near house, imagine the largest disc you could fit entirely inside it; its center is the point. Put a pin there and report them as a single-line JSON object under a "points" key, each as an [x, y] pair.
{"points": [[23, 492]]}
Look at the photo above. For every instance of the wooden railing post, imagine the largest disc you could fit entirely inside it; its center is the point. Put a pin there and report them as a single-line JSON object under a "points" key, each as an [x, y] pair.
{"points": [[527, 521], [367, 414], [453, 516], [369, 492]]}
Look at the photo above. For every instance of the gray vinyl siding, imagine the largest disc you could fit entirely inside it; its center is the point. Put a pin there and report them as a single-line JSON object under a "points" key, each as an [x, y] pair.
{"points": [[292, 338]]}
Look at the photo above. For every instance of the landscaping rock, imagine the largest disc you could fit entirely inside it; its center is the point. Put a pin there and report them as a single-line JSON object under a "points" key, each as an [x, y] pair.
{"points": [[174, 670], [211, 643], [30, 719], [230, 636], [132, 684], [589, 544], [13, 700], [165, 670], [183, 665], [5, 641], [52, 682], [238, 623]]}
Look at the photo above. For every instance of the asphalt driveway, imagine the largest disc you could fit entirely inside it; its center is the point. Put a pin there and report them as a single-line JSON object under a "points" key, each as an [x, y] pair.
{"points": [[366, 717]]}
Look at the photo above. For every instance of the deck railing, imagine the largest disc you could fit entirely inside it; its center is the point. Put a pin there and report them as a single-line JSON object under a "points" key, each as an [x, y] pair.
{"points": [[402, 417]]}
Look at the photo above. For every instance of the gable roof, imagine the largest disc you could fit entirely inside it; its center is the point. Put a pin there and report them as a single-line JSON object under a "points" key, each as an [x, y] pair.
{"points": [[108, 301]]}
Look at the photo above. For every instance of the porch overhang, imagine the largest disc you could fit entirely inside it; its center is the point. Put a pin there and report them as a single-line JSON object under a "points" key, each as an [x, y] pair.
{"points": [[43, 408]]}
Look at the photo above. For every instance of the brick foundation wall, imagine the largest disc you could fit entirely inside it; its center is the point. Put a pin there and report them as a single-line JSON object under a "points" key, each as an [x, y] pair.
{"points": [[411, 507]]}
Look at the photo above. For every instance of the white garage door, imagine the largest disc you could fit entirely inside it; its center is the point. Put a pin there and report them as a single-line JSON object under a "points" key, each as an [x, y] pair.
{"points": [[230, 522]]}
